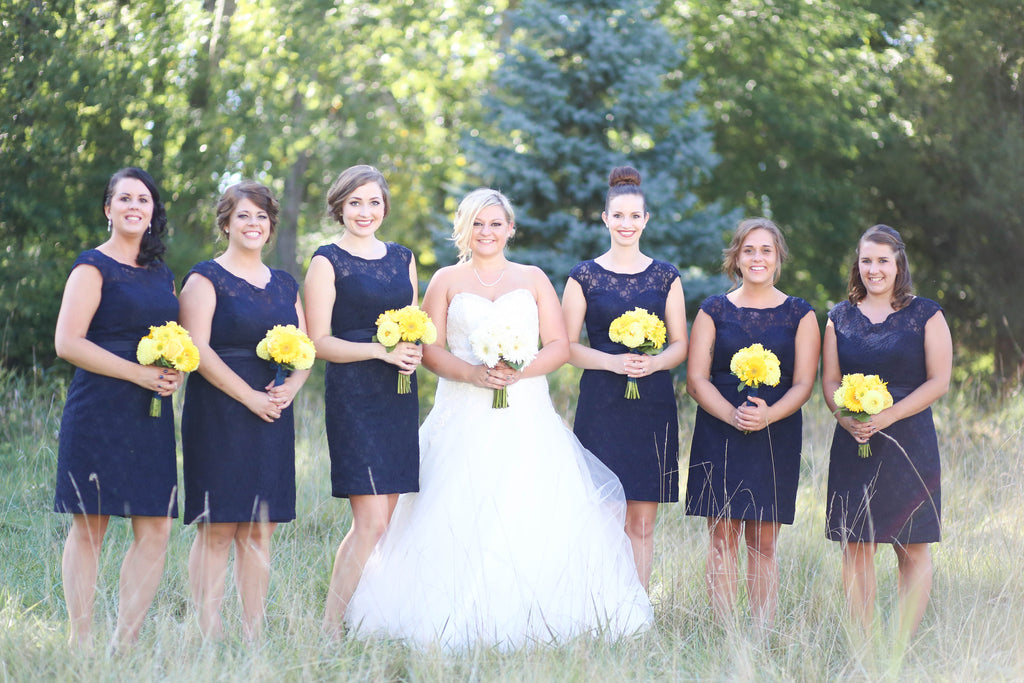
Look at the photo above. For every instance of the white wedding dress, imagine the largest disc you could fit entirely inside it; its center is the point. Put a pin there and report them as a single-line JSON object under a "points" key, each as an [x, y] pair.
{"points": [[516, 536]]}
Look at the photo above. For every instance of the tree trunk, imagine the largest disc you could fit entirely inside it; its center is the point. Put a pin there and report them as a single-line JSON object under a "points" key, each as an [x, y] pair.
{"points": [[285, 251]]}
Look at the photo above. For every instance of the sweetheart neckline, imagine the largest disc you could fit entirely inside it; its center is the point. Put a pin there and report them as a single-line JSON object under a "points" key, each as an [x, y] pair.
{"points": [[493, 301]]}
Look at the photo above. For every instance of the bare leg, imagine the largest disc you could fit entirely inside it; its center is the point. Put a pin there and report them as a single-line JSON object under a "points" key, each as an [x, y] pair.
{"points": [[762, 571], [252, 573], [915, 585], [79, 569], [207, 569], [721, 566], [370, 518], [859, 582], [140, 575], [640, 517]]}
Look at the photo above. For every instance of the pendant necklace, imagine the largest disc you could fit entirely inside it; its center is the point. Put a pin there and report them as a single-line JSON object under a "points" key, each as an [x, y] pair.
{"points": [[489, 284]]}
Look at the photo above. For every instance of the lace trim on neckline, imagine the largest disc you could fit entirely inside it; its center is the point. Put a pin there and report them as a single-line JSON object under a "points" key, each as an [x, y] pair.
{"points": [[387, 250], [615, 272], [750, 308], [242, 279]]}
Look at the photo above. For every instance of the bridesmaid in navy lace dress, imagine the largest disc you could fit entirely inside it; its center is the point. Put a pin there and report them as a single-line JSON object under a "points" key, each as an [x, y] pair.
{"points": [[638, 439], [893, 496], [371, 428], [237, 428], [745, 454], [113, 458]]}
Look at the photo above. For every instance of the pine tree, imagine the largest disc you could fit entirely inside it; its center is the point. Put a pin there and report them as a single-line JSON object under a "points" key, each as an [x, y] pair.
{"points": [[582, 88]]}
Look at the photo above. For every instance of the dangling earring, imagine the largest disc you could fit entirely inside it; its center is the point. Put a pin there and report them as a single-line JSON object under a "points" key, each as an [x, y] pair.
{"points": [[149, 229], [110, 225]]}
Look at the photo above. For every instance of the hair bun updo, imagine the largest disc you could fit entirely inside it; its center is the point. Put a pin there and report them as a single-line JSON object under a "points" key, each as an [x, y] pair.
{"points": [[623, 180], [624, 175]]}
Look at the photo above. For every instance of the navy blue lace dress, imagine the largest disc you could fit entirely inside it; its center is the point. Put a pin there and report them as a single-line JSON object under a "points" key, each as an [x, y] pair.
{"points": [[638, 439], [113, 458], [747, 476], [891, 496], [371, 428], [237, 467]]}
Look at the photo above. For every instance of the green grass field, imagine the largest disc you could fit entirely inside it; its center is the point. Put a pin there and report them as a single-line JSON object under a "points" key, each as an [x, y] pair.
{"points": [[974, 628]]}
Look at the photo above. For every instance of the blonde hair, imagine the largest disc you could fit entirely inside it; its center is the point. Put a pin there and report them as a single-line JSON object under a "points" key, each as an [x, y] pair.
{"points": [[475, 202], [731, 254]]}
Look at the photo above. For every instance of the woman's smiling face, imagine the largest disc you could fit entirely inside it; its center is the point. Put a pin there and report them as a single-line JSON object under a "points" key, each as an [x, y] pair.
{"points": [[878, 268], [491, 230], [363, 211], [758, 257]]}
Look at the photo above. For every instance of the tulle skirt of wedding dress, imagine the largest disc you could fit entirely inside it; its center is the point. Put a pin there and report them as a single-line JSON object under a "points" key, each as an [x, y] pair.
{"points": [[515, 538]]}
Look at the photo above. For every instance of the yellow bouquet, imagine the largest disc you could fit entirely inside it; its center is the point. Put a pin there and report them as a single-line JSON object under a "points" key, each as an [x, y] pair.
{"points": [[287, 348], [755, 365], [168, 346], [860, 396], [408, 324], [641, 332]]}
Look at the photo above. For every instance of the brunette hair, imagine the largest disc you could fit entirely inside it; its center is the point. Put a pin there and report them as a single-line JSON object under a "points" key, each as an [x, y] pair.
{"points": [[258, 194], [349, 181], [731, 254], [475, 202], [152, 248], [621, 181], [903, 287]]}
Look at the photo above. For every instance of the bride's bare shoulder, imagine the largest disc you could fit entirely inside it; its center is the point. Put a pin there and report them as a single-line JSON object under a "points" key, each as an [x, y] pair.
{"points": [[538, 279], [447, 272], [449, 278]]}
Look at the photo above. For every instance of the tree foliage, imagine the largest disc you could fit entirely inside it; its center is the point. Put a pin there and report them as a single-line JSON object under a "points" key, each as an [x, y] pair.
{"points": [[957, 180], [582, 88], [828, 116], [204, 93], [82, 93], [831, 117], [799, 93]]}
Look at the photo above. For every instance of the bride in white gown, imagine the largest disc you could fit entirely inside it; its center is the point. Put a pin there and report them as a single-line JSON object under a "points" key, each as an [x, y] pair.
{"points": [[516, 535]]}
